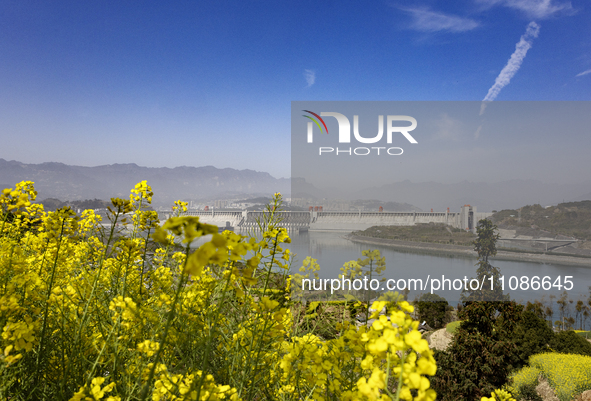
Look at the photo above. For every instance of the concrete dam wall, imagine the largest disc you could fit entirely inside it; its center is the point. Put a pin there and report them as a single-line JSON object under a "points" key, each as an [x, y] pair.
{"points": [[352, 221], [339, 221]]}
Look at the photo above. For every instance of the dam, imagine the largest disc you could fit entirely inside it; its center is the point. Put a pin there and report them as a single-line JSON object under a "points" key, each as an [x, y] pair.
{"points": [[466, 219]]}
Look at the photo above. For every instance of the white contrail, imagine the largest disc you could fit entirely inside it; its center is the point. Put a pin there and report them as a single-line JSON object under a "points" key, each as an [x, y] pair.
{"points": [[513, 64]]}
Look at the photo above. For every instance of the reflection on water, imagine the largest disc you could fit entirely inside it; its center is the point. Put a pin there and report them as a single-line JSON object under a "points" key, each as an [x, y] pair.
{"points": [[332, 250]]}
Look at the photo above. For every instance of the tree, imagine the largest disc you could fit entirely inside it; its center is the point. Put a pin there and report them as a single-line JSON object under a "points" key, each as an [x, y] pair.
{"points": [[536, 308], [563, 307], [580, 307], [486, 247], [482, 353], [433, 309]]}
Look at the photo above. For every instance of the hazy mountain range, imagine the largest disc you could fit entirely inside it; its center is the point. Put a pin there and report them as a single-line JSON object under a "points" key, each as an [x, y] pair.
{"points": [[65, 182], [486, 197]]}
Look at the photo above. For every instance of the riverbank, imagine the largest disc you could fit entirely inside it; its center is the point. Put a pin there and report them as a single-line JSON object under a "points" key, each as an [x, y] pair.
{"points": [[467, 251]]}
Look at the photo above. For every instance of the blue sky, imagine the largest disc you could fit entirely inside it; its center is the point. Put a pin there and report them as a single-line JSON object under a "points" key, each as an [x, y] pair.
{"points": [[211, 83]]}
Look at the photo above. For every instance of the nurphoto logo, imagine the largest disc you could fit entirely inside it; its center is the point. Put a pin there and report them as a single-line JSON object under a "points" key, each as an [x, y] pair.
{"points": [[392, 127]]}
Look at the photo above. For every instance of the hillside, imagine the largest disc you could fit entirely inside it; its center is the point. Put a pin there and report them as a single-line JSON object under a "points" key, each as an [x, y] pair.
{"points": [[437, 233], [571, 219]]}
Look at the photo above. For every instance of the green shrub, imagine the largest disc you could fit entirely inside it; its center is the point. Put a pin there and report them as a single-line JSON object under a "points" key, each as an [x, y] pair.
{"points": [[569, 342], [532, 336], [529, 393]]}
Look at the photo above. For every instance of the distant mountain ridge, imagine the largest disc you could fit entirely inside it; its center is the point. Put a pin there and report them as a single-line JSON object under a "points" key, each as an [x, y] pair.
{"points": [[485, 196], [69, 183], [66, 182]]}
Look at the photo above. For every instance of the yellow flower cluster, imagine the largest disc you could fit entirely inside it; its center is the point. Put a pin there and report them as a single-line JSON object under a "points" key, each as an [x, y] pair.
{"points": [[567, 374], [526, 377], [19, 198], [95, 392], [141, 191], [499, 395], [175, 387], [389, 359], [135, 311], [179, 207]]}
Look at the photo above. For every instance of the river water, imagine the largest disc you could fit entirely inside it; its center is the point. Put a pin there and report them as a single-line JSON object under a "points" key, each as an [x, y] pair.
{"points": [[332, 250]]}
